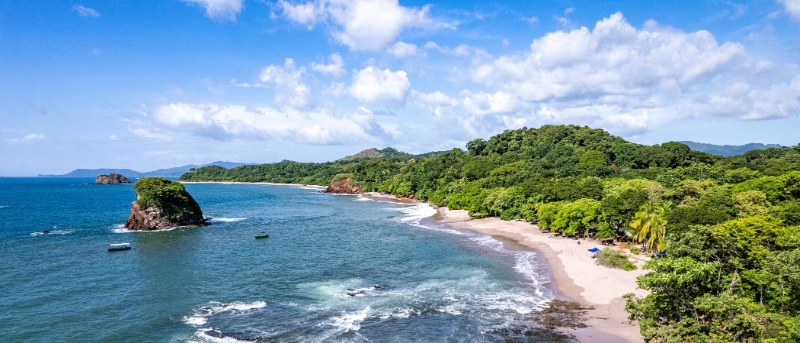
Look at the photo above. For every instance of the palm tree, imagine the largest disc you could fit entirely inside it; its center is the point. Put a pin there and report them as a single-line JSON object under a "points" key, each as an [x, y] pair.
{"points": [[650, 225]]}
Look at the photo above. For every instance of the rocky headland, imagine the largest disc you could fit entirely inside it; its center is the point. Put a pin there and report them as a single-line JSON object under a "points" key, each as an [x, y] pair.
{"points": [[162, 204], [343, 185], [111, 179]]}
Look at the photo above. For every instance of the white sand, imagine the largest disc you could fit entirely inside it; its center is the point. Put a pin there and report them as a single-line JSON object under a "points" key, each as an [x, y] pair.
{"points": [[575, 273]]}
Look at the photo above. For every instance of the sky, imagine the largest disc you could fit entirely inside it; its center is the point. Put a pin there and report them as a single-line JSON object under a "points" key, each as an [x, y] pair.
{"points": [[145, 84]]}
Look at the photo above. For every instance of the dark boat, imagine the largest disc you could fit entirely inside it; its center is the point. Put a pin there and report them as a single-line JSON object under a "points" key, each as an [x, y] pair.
{"points": [[119, 247], [263, 235]]}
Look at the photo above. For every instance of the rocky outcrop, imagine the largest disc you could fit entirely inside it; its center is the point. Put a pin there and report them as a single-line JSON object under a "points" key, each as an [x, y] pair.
{"points": [[163, 204], [153, 218], [111, 179], [342, 185]]}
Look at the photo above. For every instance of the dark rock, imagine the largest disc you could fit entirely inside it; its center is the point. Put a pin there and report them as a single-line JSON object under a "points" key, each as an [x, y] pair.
{"points": [[342, 185], [163, 204], [111, 179]]}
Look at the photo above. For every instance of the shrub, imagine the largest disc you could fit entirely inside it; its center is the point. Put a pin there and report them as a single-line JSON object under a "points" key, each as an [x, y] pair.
{"points": [[614, 259]]}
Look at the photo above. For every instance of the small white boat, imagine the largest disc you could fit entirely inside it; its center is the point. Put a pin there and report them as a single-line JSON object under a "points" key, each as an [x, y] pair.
{"points": [[119, 246]]}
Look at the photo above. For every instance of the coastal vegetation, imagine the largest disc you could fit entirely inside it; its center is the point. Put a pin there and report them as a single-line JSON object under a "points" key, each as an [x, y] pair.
{"points": [[614, 259], [162, 204], [727, 226]]}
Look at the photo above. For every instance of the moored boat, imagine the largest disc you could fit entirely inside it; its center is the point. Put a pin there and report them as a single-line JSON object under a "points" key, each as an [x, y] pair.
{"points": [[262, 235], [119, 246]]}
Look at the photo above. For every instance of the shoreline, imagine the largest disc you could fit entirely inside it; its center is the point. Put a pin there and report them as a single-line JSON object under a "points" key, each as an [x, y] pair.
{"points": [[252, 183], [574, 275]]}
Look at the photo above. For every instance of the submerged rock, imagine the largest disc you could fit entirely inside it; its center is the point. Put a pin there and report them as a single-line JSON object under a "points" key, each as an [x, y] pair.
{"points": [[163, 204], [111, 179], [342, 185]]}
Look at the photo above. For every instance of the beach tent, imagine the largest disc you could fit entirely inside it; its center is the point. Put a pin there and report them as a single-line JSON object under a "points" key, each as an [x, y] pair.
{"points": [[593, 252]]}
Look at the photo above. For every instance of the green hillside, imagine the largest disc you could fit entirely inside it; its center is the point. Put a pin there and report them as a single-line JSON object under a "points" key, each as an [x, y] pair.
{"points": [[728, 225]]}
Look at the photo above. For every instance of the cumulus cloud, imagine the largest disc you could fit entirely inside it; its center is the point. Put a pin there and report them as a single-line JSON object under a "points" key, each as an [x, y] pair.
{"points": [[403, 49], [793, 7], [360, 24], [151, 133], [617, 76], [287, 82], [26, 139], [374, 85], [85, 11], [335, 68], [435, 102], [220, 9], [223, 122]]}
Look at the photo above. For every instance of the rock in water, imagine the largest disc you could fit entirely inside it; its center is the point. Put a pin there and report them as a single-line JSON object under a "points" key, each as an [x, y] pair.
{"points": [[342, 185], [162, 204], [111, 179]]}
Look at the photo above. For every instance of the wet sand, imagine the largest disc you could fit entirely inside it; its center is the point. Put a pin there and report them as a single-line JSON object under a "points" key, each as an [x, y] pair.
{"points": [[574, 273]]}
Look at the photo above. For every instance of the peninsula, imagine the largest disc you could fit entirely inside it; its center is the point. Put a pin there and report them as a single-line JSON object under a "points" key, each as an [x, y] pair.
{"points": [[714, 240]]}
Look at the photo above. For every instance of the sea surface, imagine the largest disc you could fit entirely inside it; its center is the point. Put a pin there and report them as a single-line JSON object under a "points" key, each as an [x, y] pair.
{"points": [[408, 278]]}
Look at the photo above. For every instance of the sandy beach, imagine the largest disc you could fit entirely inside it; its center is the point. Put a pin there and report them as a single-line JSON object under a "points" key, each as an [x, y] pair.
{"points": [[574, 274]]}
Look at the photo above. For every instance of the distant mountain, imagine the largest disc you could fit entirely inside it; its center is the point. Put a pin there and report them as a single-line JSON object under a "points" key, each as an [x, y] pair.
{"points": [[373, 152], [168, 172], [728, 150]]}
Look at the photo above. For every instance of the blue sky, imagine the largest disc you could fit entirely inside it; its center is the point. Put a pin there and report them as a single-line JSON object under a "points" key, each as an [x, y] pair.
{"points": [[153, 84]]}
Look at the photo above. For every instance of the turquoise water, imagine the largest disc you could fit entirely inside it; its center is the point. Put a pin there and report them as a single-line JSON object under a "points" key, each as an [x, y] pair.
{"points": [[219, 284]]}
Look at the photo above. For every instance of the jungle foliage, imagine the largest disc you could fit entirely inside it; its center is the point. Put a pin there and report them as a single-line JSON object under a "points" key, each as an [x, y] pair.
{"points": [[728, 225], [170, 196]]}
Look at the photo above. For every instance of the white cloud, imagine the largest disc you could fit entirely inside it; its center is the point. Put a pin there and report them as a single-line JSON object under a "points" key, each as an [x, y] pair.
{"points": [[335, 68], [113, 138], [436, 102], [224, 122], [220, 9], [403, 49], [287, 82], [617, 76], [374, 85], [151, 133], [360, 24], [336, 89], [85, 11], [26, 139], [484, 103], [793, 7]]}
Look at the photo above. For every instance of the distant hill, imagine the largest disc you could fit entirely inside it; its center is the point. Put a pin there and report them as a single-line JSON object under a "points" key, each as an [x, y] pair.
{"points": [[373, 152], [168, 172], [728, 150]]}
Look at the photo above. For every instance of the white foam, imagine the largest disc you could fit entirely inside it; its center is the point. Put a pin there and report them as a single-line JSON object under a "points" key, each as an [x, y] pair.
{"points": [[363, 198], [1, 206], [200, 315], [349, 321], [416, 212], [53, 232], [226, 220]]}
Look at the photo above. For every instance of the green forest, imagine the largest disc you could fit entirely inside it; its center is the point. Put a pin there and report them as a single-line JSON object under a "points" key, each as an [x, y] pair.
{"points": [[726, 229]]}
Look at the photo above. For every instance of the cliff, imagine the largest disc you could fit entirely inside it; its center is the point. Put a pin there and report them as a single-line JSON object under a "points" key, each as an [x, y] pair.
{"points": [[163, 204], [111, 179], [342, 185]]}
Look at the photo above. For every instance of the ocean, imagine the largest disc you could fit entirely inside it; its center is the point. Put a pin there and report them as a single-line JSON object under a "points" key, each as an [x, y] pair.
{"points": [[335, 269]]}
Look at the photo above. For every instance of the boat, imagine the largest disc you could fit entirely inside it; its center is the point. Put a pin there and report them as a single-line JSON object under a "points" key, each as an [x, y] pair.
{"points": [[119, 246], [262, 235]]}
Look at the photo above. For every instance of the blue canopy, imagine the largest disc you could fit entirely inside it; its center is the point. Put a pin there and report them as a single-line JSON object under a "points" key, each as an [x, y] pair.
{"points": [[594, 249]]}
